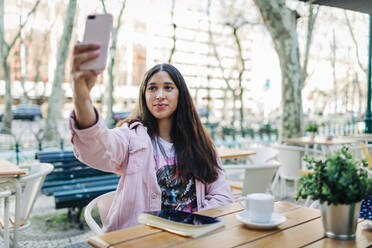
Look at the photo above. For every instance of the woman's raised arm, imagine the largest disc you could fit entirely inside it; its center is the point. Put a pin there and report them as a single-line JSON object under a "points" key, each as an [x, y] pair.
{"points": [[83, 82]]}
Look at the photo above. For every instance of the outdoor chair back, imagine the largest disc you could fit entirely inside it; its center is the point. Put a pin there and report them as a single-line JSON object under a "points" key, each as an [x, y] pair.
{"points": [[263, 155], [359, 152], [103, 203], [32, 185], [257, 177], [291, 161]]}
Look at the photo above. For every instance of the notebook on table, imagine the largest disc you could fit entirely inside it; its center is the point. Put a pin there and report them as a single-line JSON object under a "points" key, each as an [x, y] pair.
{"points": [[181, 223]]}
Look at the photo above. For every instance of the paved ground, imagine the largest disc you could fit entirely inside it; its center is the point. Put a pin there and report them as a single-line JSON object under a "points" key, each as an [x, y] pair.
{"points": [[51, 228]]}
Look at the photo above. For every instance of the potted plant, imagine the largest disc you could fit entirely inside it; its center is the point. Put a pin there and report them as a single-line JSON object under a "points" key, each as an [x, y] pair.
{"points": [[339, 183], [312, 128]]}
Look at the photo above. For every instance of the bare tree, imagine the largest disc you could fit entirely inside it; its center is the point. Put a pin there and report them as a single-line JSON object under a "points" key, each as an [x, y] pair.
{"points": [[110, 86], [333, 46], [220, 66], [174, 32], [361, 66], [239, 91], [23, 57], [281, 23], [57, 95], [5, 49], [312, 16]]}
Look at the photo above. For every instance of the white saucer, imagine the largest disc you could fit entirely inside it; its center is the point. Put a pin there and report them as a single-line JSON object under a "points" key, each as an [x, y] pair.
{"points": [[276, 219]]}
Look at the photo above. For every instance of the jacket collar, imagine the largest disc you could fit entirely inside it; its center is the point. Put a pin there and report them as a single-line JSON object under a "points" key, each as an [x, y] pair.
{"points": [[135, 124]]}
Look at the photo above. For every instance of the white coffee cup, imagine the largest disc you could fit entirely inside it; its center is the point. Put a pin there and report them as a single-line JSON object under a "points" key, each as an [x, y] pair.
{"points": [[259, 206]]}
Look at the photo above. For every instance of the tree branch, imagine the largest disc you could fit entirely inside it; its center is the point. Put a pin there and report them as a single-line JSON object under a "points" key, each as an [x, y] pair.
{"points": [[215, 48], [310, 28], [22, 26], [174, 32], [355, 43], [104, 6]]}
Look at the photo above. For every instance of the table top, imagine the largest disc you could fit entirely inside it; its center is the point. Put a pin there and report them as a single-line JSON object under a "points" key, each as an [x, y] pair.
{"points": [[362, 136], [229, 153], [303, 227], [307, 140], [9, 169]]}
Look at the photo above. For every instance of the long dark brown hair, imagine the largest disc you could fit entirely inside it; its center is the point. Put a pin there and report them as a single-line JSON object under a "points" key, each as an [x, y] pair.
{"points": [[194, 148]]}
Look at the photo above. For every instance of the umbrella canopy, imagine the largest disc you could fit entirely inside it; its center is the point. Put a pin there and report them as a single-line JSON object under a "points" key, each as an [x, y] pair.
{"points": [[364, 6]]}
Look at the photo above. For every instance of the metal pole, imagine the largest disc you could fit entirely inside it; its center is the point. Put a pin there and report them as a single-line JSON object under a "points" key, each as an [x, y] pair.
{"points": [[368, 120]]}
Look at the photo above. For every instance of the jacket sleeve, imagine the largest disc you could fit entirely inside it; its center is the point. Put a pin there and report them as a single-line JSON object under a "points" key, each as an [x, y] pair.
{"points": [[100, 147], [218, 193]]}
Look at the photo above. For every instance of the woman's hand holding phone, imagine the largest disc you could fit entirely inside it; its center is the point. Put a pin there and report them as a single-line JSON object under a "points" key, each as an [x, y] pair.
{"points": [[89, 60], [83, 82]]}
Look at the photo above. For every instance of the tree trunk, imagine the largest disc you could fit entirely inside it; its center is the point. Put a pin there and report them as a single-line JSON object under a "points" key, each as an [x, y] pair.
{"points": [[309, 35], [8, 99], [56, 98], [334, 74], [174, 32], [4, 54], [281, 23], [240, 78], [110, 71], [23, 58]]}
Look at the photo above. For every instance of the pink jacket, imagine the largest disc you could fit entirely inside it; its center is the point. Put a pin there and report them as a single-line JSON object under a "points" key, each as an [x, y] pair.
{"points": [[128, 151]]}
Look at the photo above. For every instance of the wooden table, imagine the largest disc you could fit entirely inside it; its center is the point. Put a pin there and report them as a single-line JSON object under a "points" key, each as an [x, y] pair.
{"points": [[302, 228], [306, 140], [231, 153], [8, 176], [7, 169], [361, 136]]}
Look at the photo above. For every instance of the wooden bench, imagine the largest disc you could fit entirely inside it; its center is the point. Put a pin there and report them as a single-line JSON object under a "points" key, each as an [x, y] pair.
{"points": [[72, 183]]}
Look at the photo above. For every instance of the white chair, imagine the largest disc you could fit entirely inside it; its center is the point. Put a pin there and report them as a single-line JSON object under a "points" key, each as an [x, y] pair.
{"points": [[291, 159], [263, 155], [257, 177], [358, 151], [103, 203], [31, 184], [6, 194]]}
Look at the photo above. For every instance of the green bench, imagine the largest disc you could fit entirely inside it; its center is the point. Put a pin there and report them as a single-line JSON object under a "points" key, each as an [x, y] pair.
{"points": [[72, 183]]}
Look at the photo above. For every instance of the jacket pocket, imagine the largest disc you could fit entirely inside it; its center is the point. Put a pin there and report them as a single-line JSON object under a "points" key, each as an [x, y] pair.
{"points": [[138, 153]]}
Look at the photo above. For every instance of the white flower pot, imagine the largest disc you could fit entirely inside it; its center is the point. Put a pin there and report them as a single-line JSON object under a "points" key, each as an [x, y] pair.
{"points": [[312, 135], [340, 221]]}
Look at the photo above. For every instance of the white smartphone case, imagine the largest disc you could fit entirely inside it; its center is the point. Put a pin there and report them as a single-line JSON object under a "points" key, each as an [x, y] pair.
{"points": [[98, 29]]}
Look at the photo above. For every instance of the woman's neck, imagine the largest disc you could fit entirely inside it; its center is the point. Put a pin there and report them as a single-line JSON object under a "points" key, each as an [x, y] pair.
{"points": [[165, 127]]}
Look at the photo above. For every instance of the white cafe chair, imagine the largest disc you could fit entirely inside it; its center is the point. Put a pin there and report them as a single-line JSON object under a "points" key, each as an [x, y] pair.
{"points": [[6, 194], [291, 160], [103, 203], [358, 152], [31, 184], [257, 177], [264, 154]]}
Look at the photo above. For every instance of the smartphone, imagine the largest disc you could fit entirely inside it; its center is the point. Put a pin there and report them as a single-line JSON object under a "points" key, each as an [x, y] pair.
{"points": [[98, 29], [184, 217]]}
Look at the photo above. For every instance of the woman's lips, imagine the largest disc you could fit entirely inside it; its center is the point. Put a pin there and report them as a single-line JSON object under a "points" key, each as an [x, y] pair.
{"points": [[160, 106]]}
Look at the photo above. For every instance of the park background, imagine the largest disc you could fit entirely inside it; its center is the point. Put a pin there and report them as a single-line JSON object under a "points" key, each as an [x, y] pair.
{"points": [[253, 80]]}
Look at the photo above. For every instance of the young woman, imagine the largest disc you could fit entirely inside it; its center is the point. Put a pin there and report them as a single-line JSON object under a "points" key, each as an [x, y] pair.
{"points": [[164, 156]]}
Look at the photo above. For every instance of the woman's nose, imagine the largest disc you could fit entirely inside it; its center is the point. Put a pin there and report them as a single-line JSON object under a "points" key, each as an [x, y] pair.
{"points": [[160, 93]]}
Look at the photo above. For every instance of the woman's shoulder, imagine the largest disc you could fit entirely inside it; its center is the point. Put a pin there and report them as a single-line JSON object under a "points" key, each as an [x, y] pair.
{"points": [[134, 128]]}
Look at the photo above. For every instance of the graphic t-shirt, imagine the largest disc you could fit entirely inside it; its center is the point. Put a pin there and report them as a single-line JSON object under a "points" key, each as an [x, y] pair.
{"points": [[177, 192]]}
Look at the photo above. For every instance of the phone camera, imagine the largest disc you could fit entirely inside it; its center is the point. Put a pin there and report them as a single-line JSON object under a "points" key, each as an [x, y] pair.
{"points": [[91, 16]]}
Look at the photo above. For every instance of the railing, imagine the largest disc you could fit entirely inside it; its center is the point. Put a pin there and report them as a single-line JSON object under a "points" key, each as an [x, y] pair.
{"points": [[26, 138]]}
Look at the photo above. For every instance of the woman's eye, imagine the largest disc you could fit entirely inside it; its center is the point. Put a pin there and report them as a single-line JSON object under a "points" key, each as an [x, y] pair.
{"points": [[168, 87], [151, 88]]}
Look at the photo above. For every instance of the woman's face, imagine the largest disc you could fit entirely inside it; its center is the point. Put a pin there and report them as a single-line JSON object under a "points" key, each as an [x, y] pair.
{"points": [[161, 95]]}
